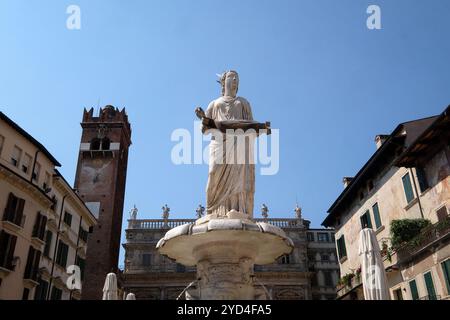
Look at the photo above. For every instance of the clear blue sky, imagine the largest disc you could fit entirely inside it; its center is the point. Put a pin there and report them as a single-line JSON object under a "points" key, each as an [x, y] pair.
{"points": [[310, 67]]}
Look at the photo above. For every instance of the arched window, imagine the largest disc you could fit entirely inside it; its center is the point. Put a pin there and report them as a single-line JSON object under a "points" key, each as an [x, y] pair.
{"points": [[106, 143], [95, 144]]}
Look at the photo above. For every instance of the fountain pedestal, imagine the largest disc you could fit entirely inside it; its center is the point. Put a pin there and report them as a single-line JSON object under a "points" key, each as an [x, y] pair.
{"points": [[225, 251]]}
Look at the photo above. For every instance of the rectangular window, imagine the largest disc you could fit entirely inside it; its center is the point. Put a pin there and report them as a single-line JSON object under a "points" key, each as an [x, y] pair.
{"points": [[48, 243], [442, 214], [322, 237], [32, 266], [54, 205], [14, 210], [15, 156], [146, 260], [26, 294], [68, 218], [2, 142], [26, 163], [83, 234], [7, 248], [376, 216], [446, 271], [36, 172], [180, 268], [325, 257], [310, 236], [365, 220], [422, 178], [328, 278], [398, 294], [46, 184], [414, 291], [285, 259], [430, 286], [39, 226], [61, 254], [407, 187], [41, 290], [342, 251], [56, 294], [81, 263]]}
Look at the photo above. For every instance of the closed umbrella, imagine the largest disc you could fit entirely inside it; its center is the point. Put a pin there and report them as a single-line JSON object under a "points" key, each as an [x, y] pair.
{"points": [[372, 268], [110, 287], [131, 296]]}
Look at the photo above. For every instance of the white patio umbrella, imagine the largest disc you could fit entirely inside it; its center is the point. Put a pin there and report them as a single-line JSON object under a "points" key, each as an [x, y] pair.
{"points": [[131, 296], [110, 287], [372, 268]]}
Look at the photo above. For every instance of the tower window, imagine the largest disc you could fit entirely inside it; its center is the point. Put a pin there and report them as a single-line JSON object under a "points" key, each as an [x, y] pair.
{"points": [[95, 144], [146, 260], [285, 259], [106, 144]]}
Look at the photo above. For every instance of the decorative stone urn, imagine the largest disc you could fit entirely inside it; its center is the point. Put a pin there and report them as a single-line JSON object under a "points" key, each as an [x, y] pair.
{"points": [[224, 250]]}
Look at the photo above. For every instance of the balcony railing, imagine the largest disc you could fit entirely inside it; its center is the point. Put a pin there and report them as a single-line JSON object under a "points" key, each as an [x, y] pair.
{"points": [[157, 223], [172, 223], [345, 288], [432, 297], [430, 235]]}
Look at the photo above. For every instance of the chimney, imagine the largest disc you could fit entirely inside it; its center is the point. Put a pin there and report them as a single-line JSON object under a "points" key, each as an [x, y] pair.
{"points": [[380, 139], [346, 181]]}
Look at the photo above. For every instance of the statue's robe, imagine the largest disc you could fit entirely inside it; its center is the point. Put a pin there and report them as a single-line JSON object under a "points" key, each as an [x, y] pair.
{"points": [[231, 177]]}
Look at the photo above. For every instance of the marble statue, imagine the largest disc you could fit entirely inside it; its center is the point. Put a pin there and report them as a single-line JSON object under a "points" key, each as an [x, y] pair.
{"points": [[133, 213], [264, 211], [166, 212], [200, 210], [231, 183]]}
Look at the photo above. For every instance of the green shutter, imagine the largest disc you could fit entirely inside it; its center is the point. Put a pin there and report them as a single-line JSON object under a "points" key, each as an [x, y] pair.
{"points": [[446, 270], [365, 218], [341, 247], [430, 286], [413, 288], [408, 188], [376, 215]]}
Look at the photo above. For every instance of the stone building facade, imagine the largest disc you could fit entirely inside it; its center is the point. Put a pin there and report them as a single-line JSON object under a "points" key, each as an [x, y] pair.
{"points": [[310, 272], [43, 220], [406, 178]]}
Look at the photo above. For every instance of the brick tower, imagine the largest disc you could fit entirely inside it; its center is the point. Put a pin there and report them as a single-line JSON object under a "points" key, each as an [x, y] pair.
{"points": [[100, 181]]}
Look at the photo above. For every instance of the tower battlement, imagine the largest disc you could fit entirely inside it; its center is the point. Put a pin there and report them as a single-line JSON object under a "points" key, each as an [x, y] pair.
{"points": [[108, 113]]}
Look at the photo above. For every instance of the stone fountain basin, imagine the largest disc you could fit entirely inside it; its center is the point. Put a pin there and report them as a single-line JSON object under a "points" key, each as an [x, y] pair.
{"points": [[225, 240]]}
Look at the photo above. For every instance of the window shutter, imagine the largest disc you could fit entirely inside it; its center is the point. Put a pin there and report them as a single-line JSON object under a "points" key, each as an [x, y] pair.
{"points": [[430, 286], [58, 253], [37, 258], [9, 213], [37, 224], [413, 288], [376, 215], [3, 248], [30, 263], [11, 248], [408, 188], [446, 270], [42, 227], [48, 242], [442, 214], [19, 212]]}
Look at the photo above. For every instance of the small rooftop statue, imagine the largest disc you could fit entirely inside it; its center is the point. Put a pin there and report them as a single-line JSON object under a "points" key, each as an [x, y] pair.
{"points": [[200, 210], [166, 212], [264, 211], [133, 213], [298, 212]]}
